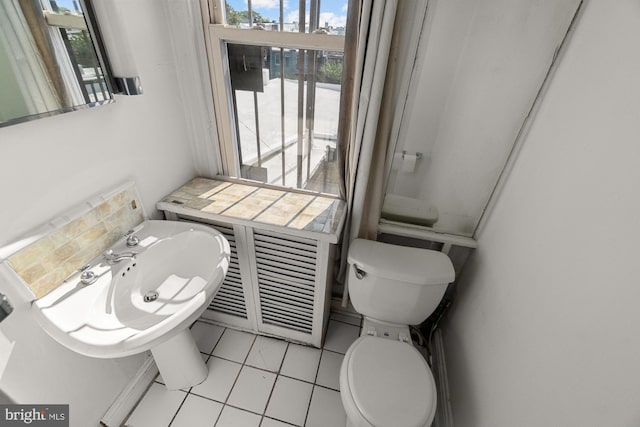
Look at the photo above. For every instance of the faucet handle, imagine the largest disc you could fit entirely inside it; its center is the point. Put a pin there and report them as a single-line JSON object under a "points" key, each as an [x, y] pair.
{"points": [[88, 277], [132, 240]]}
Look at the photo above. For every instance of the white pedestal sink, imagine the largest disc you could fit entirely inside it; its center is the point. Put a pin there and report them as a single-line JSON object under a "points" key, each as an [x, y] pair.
{"points": [[145, 302]]}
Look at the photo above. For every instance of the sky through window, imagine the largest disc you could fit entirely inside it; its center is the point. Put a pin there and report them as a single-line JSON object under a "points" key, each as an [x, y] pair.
{"points": [[333, 13]]}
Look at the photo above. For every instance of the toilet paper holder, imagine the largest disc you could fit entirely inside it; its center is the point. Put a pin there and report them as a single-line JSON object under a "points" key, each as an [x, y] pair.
{"points": [[418, 154]]}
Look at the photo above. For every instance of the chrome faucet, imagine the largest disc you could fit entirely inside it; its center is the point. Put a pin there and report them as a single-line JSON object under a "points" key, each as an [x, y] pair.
{"points": [[132, 239], [113, 257], [87, 277]]}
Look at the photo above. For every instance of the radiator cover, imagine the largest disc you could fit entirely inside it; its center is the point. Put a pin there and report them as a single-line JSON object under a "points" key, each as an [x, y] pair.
{"points": [[277, 284]]}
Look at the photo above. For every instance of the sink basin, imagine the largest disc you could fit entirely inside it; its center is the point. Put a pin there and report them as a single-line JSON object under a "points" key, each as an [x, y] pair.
{"points": [[142, 303]]}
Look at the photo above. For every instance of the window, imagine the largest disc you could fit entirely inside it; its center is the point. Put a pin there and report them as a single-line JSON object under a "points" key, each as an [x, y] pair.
{"points": [[277, 78], [69, 34]]}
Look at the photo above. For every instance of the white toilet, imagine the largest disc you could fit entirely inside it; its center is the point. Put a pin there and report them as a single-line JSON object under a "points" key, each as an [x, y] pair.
{"points": [[384, 380]]}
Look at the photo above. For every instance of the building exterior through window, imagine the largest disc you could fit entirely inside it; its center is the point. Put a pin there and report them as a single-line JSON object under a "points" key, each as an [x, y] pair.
{"points": [[278, 86]]}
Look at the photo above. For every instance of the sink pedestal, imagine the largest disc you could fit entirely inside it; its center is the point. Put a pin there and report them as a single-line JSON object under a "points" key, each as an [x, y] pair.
{"points": [[180, 362]]}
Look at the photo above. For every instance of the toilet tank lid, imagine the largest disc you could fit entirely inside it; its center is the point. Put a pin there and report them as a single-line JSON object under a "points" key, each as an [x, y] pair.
{"points": [[413, 265]]}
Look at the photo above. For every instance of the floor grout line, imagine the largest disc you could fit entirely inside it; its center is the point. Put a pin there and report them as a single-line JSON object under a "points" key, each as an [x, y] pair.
{"points": [[218, 417], [280, 421], [271, 372], [344, 323], [347, 323], [229, 360], [189, 392], [333, 351], [239, 373], [226, 399], [217, 342], [306, 417], [274, 383], [263, 416], [179, 407], [255, 338]]}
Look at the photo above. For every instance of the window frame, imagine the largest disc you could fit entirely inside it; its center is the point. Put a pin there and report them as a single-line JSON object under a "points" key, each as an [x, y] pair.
{"points": [[218, 36]]}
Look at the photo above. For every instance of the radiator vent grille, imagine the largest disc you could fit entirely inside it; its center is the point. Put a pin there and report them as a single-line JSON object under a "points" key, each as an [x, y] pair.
{"points": [[286, 268], [230, 296]]}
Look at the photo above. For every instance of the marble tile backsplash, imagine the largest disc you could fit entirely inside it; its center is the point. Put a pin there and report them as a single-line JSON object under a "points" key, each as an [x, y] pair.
{"points": [[45, 263]]}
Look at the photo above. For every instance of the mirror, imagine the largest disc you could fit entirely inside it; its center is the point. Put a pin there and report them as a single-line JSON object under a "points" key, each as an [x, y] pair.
{"points": [[482, 68], [49, 60]]}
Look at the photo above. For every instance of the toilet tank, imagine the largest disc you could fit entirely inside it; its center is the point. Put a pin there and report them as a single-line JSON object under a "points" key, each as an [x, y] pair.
{"points": [[396, 284]]}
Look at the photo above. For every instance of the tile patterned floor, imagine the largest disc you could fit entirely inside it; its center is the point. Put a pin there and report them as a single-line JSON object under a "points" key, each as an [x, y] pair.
{"points": [[255, 381]]}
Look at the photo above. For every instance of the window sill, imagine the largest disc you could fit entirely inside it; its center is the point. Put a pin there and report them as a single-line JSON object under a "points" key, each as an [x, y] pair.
{"points": [[305, 214]]}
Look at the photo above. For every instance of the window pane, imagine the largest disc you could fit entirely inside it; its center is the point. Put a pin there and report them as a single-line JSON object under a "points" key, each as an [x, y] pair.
{"points": [[288, 100], [329, 16], [81, 58]]}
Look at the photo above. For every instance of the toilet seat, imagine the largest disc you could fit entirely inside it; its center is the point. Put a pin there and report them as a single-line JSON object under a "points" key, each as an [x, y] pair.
{"points": [[388, 383]]}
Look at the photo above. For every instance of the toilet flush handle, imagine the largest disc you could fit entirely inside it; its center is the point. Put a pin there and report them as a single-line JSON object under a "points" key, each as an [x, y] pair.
{"points": [[360, 273]]}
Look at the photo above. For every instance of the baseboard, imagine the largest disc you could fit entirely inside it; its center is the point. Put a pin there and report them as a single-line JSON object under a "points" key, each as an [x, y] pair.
{"points": [[444, 415], [130, 395]]}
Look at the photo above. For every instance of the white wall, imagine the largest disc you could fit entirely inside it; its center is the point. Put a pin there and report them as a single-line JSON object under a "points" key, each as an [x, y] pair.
{"points": [[545, 331], [49, 165]]}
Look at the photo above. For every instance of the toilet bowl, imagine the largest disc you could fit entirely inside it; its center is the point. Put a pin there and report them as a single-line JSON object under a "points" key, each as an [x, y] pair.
{"points": [[384, 380], [386, 383]]}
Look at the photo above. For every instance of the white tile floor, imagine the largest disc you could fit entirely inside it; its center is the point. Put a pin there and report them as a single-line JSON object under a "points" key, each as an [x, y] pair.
{"points": [[255, 381]]}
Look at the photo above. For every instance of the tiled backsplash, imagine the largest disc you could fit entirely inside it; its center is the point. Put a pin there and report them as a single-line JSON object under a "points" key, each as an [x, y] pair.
{"points": [[45, 263]]}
